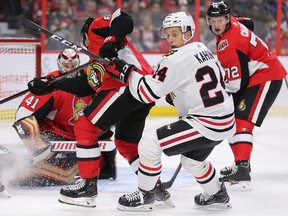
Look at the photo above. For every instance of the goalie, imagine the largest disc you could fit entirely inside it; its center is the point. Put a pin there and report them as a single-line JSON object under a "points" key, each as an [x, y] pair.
{"points": [[50, 117]]}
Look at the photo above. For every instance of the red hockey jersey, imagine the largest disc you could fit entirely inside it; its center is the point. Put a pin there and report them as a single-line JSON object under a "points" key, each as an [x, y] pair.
{"points": [[129, 53], [246, 58], [54, 112]]}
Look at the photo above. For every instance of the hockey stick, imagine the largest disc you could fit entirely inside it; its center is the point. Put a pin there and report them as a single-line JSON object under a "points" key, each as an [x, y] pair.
{"points": [[17, 10], [286, 81], [169, 183], [71, 72]]}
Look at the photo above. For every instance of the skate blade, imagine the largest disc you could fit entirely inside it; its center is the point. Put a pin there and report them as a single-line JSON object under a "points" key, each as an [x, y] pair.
{"points": [[168, 202], [239, 186], [82, 201], [215, 206], [142, 208]]}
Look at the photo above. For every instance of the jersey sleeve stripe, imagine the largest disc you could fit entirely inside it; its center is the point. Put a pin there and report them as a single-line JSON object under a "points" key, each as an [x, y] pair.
{"points": [[145, 93]]}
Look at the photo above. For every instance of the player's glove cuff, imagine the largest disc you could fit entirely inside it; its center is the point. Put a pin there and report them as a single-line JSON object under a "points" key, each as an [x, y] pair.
{"points": [[119, 69]]}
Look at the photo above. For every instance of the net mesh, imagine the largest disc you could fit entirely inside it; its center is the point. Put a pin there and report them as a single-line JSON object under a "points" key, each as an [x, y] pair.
{"points": [[17, 68]]}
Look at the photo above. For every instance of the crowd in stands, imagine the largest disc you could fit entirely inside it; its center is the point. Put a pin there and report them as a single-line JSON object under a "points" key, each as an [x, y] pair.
{"points": [[66, 17]]}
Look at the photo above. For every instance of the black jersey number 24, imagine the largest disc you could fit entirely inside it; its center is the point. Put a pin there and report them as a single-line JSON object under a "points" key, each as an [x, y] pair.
{"points": [[209, 87]]}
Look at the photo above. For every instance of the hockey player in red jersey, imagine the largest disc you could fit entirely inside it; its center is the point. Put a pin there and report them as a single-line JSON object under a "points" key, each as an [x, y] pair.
{"points": [[113, 105], [51, 117], [254, 77], [194, 78]]}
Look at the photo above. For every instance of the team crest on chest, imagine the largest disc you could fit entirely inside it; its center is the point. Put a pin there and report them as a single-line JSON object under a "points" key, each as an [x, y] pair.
{"points": [[222, 45], [242, 105], [78, 109]]}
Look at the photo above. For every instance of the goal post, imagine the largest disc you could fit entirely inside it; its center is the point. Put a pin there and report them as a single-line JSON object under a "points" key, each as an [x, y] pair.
{"points": [[20, 62]]}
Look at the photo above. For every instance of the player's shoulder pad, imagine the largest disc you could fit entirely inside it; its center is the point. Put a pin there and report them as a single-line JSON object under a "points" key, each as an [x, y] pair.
{"points": [[170, 52], [246, 22]]}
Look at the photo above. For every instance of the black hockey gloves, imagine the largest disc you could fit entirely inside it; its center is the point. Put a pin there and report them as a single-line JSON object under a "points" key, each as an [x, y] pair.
{"points": [[40, 86], [119, 69], [110, 47]]}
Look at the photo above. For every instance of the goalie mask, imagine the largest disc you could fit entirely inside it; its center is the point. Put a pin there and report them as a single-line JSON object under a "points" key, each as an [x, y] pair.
{"points": [[182, 20], [67, 60]]}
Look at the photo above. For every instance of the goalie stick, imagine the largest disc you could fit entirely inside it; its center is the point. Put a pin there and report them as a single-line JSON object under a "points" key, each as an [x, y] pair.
{"points": [[69, 73], [17, 10], [169, 183]]}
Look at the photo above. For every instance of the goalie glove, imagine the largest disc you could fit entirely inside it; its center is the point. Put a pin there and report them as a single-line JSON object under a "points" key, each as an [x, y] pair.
{"points": [[119, 69], [110, 47], [40, 86]]}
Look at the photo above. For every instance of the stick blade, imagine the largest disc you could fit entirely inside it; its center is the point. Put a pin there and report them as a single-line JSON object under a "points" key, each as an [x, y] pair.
{"points": [[16, 7]]}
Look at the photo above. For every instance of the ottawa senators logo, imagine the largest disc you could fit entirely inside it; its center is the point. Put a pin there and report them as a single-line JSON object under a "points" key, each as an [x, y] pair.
{"points": [[242, 105], [95, 73], [171, 52], [78, 109]]}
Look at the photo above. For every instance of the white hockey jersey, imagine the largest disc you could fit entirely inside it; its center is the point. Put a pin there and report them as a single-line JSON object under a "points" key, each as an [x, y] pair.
{"points": [[195, 78]]}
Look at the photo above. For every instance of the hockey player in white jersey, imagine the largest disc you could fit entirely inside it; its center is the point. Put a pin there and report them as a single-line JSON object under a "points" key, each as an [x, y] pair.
{"points": [[194, 79]]}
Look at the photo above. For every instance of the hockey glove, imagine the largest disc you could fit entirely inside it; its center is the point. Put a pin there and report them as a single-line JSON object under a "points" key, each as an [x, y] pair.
{"points": [[119, 69], [110, 47], [40, 86], [169, 98]]}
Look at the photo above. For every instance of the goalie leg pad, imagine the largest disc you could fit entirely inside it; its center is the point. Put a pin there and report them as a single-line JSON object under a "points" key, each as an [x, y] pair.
{"points": [[29, 131]]}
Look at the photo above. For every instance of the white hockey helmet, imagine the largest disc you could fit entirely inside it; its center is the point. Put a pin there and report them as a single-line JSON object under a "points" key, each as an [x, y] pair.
{"points": [[67, 60], [179, 19]]}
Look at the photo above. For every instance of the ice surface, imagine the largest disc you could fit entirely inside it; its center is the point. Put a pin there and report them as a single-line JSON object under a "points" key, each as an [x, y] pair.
{"points": [[269, 178]]}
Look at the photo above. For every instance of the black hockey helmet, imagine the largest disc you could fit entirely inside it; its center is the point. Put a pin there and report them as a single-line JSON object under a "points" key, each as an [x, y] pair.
{"points": [[218, 9], [84, 30]]}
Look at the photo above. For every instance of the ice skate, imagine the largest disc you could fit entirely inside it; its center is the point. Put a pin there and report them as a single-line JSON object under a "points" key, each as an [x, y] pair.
{"points": [[238, 177], [3, 192], [140, 201], [81, 194], [219, 200], [229, 169], [162, 194]]}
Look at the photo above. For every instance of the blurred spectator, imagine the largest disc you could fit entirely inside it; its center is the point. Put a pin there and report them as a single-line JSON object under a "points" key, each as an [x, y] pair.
{"points": [[259, 18], [273, 9], [134, 8], [105, 7], [157, 14], [89, 11], [149, 36], [135, 39], [61, 22], [37, 10], [206, 36]]}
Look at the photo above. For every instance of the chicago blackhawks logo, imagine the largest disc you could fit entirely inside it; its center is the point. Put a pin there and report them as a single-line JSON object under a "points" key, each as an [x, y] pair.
{"points": [[171, 52], [242, 105], [95, 73]]}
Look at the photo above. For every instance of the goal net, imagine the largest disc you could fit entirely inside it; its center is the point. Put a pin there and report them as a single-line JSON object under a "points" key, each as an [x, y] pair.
{"points": [[20, 62]]}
